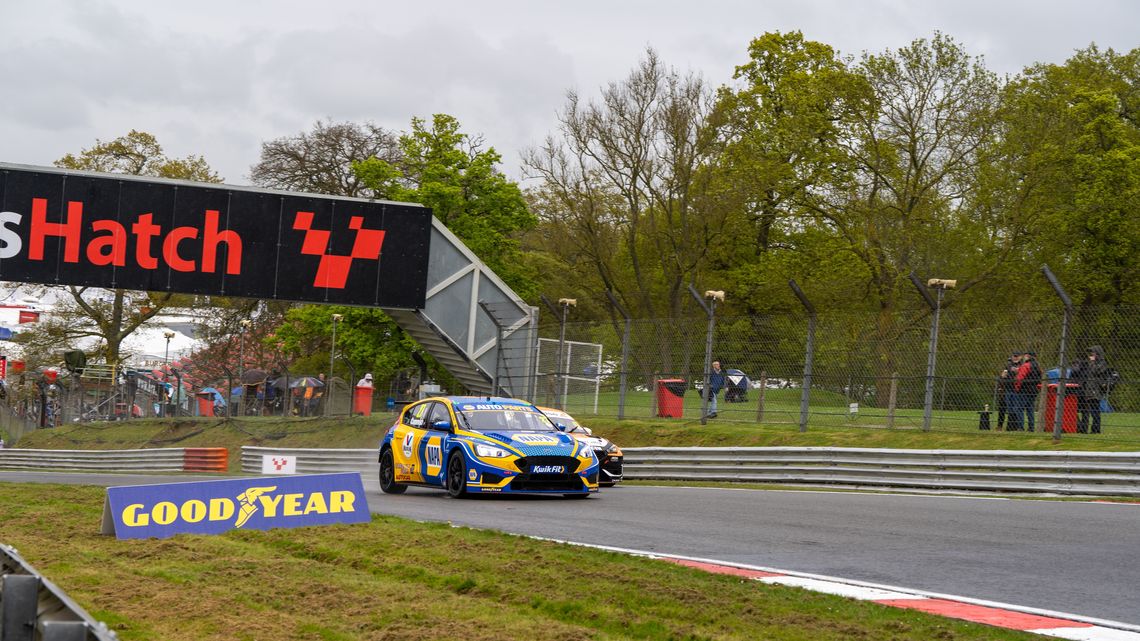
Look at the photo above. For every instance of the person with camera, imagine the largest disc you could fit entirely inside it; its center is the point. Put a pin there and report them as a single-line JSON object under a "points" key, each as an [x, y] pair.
{"points": [[1094, 377], [1005, 380]]}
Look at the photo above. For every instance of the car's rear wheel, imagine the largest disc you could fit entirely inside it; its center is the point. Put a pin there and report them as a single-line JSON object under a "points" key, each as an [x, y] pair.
{"points": [[388, 483], [456, 476]]}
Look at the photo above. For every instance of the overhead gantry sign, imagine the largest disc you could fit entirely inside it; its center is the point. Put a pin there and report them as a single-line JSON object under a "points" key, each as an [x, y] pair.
{"points": [[62, 227]]}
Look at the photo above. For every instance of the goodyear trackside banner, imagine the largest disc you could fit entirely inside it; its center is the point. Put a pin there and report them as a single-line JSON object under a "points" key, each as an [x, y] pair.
{"points": [[125, 232], [213, 507]]}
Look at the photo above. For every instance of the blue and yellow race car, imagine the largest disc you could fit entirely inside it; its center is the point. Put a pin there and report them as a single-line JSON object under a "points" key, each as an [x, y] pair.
{"points": [[468, 444]]}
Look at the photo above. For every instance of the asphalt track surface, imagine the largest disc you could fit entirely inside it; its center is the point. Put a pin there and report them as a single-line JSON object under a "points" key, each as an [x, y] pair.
{"points": [[1081, 558]]}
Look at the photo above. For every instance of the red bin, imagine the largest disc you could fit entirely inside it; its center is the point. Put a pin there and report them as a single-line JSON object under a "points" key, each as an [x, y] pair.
{"points": [[205, 403], [362, 400], [671, 397], [1068, 412]]}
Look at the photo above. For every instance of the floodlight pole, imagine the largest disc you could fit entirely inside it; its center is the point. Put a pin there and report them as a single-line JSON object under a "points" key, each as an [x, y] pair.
{"points": [[935, 303], [710, 309]]}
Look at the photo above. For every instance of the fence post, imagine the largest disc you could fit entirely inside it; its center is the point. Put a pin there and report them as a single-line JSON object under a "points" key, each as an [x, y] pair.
{"points": [[18, 609], [760, 399], [498, 345], [892, 400], [710, 309], [653, 395], [809, 352], [624, 354], [1063, 377]]}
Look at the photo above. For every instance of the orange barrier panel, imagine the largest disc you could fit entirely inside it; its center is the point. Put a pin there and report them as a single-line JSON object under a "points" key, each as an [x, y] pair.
{"points": [[206, 459]]}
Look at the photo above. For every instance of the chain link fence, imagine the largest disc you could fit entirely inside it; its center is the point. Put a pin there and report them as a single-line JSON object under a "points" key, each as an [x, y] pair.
{"points": [[867, 370]]}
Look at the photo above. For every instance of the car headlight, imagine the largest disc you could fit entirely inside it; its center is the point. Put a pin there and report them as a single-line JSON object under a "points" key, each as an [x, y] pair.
{"points": [[490, 451]]}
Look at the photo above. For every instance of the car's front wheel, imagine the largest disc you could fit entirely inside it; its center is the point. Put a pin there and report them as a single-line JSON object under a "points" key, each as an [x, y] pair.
{"points": [[388, 483], [456, 476]]}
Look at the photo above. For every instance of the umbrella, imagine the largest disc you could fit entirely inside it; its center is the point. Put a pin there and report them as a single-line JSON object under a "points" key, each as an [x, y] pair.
{"points": [[218, 398], [306, 381], [737, 389], [280, 382], [253, 377]]}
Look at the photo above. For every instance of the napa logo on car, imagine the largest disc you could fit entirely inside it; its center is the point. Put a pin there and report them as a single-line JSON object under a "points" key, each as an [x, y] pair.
{"points": [[433, 456], [535, 439], [213, 507]]}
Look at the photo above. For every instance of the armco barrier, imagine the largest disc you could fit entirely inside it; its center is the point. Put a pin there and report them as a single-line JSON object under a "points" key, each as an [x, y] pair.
{"points": [[145, 460], [206, 459], [34, 608], [315, 460], [1092, 473], [1095, 473]]}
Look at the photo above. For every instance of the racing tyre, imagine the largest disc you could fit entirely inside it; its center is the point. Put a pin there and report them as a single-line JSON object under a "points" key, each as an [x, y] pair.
{"points": [[456, 476], [388, 483]]}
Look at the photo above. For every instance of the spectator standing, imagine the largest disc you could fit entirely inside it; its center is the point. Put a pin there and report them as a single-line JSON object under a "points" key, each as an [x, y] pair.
{"points": [[1014, 419], [1029, 382], [716, 383], [366, 381], [1093, 376], [1005, 388]]}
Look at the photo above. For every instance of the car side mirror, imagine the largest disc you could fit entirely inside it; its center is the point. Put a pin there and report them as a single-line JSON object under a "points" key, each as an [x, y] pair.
{"points": [[443, 426], [588, 431]]}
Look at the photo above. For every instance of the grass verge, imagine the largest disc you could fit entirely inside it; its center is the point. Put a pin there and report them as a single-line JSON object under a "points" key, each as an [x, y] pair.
{"points": [[397, 579]]}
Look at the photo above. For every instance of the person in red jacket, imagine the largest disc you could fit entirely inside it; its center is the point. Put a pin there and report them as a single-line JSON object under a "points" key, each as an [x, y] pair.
{"points": [[1028, 381]]}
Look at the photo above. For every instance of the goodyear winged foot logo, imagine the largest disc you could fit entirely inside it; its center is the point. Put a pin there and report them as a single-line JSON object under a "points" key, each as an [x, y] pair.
{"points": [[213, 507]]}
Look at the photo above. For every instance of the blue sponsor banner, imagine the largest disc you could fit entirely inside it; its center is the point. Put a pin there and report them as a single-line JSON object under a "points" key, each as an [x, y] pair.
{"points": [[213, 507]]}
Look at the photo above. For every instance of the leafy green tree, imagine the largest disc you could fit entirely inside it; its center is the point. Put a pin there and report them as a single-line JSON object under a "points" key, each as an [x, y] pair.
{"points": [[139, 153], [783, 132], [448, 170], [1073, 141]]}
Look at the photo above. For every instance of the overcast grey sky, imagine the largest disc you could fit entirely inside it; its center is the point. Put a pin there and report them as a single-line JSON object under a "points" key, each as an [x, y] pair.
{"points": [[217, 78]]}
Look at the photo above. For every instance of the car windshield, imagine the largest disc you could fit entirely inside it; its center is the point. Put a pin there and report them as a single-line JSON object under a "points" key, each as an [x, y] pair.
{"points": [[567, 420], [509, 418]]}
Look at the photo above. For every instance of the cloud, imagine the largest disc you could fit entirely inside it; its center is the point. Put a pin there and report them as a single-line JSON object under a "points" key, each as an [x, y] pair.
{"points": [[216, 78]]}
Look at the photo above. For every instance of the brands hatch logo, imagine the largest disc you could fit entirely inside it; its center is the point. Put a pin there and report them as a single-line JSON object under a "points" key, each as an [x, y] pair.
{"points": [[332, 273], [145, 243]]}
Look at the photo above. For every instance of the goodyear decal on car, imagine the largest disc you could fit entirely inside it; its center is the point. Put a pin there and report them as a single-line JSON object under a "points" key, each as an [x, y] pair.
{"points": [[433, 456], [213, 507], [536, 439]]}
